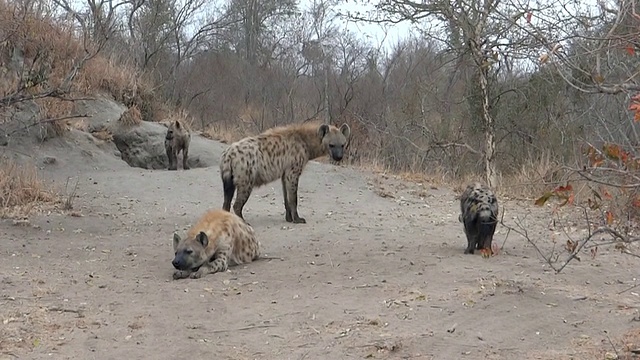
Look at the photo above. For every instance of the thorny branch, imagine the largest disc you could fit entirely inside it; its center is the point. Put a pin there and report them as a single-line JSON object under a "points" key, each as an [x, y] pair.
{"points": [[553, 256]]}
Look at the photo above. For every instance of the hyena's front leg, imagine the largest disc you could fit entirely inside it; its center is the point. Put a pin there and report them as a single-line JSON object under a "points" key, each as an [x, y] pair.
{"points": [[219, 264], [181, 274], [287, 209], [185, 158], [173, 158], [169, 149], [292, 177]]}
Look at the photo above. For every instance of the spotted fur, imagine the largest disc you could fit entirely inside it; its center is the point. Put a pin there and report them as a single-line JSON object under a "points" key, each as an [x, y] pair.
{"points": [[178, 138], [219, 239], [479, 214], [278, 153]]}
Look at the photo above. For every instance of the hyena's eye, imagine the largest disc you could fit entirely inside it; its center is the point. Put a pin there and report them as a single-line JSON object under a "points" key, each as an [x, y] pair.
{"points": [[189, 251], [332, 146]]}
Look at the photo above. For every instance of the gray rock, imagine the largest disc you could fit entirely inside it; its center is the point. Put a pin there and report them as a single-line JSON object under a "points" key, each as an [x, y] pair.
{"points": [[143, 146]]}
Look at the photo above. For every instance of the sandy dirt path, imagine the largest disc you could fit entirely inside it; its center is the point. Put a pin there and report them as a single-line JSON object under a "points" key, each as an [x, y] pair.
{"points": [[368, 276]]}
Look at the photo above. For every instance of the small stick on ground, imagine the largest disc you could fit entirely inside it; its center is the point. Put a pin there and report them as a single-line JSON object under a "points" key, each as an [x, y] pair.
{"points": [[242, 328]]}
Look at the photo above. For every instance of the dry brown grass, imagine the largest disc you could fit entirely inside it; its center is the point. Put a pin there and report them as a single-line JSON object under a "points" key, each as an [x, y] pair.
{"points": [[49, 49], [131, 116], [21, 190], [586, 348]]}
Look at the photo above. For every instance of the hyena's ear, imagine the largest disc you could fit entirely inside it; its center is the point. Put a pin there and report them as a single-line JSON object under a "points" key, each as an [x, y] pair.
{"points": [[323, 130], [176, 241], [345, 130], [178, 124], [203, 239]]}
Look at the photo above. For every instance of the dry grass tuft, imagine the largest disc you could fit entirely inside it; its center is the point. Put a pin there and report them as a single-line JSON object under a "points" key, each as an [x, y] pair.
{"points": [[21, 190], [103, 134], [131, 116], [222, 134]]}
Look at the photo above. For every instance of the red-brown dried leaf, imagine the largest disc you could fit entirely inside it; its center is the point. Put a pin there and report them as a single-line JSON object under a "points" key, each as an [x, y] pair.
{"points": [[529, 15], [609, 217], [611, 151], [630, 50], [564, 188]]}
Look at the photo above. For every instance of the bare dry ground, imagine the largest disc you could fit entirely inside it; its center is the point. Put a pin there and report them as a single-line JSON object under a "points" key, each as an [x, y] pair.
{"points": [[377, 272]]}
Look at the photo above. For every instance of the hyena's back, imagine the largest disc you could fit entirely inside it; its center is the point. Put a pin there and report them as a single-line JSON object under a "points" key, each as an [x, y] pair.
{"points": [[235, 235], [479, 214], [259, 160]]}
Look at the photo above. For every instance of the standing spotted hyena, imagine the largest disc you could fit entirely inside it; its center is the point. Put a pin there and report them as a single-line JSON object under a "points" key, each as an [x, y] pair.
{"points": [[178, 138], [479, 214], [219, 239], [278, 153]]}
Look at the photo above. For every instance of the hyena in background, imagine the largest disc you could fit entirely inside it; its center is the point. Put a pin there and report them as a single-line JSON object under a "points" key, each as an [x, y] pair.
{"points": [[278, 153], [479, 214], [178, 138], [217, 240]]}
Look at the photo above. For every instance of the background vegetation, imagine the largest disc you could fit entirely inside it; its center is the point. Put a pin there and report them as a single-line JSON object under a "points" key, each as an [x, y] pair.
{"points": [[497, 89]]}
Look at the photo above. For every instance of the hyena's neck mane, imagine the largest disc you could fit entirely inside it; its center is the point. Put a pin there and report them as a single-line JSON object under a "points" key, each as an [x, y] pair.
{"points": [[307, 135]]}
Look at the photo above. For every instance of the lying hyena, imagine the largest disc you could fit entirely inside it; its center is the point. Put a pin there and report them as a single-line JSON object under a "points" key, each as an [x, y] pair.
{"points": [[217, 240], [479, 214], [178, 138], [278, 153]]}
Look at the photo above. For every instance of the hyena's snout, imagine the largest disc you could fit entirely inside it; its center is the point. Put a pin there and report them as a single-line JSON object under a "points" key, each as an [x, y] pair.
{"points": [[336, 153], [176, 264], [179, 263]]}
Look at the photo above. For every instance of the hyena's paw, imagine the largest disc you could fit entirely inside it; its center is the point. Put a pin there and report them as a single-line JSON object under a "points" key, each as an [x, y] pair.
{"points": [[299, 220], [179, 274], [186, 167], [197, 274]]}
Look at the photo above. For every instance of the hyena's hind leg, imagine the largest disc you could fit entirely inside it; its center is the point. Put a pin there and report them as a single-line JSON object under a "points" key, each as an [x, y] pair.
{"points": [[472, 237], [248, 249], [242, 196]]}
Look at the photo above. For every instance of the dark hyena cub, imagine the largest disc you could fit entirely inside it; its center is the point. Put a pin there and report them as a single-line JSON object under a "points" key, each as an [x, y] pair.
{"points": [[479, 214], [278, 153], [178, 138]]}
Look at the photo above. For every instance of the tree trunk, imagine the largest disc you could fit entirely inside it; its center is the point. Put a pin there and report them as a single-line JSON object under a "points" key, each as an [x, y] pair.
{"points": [[325, 67], [488, 124], [489, 130]]}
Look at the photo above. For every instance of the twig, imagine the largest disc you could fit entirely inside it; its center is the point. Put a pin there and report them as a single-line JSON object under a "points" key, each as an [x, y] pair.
{"points": [[627, 289], [611, 343], [242, 328], [60, 309]]}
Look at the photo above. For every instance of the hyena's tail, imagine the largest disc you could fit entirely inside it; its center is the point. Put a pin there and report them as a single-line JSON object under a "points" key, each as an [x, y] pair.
{"points": [[228, 186]]}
